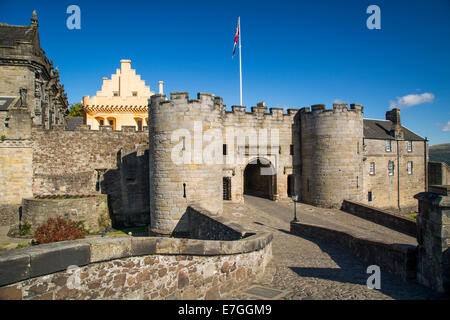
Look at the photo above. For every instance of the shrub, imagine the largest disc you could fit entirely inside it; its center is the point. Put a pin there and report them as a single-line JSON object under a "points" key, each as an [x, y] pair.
{"points": [[59, 229], [24, 229]]}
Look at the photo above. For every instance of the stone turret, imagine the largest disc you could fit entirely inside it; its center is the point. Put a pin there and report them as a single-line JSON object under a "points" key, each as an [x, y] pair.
{"points": [[331, 154], [185, 164]]}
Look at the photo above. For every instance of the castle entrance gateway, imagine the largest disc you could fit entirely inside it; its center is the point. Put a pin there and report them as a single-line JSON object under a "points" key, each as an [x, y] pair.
{"points": [[260, 179]]}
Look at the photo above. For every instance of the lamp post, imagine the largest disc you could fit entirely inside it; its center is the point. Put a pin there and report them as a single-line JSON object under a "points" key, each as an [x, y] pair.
{"points": [[295, 198]]}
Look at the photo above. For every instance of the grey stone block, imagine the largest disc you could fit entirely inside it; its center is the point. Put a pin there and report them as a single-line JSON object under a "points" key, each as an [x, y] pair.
{"points": [[54, 257], [143, 246], [103, 249], [14, 267]]}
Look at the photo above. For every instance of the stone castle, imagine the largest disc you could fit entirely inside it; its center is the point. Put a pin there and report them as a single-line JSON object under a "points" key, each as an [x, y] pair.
{"points": [[323, 155]]}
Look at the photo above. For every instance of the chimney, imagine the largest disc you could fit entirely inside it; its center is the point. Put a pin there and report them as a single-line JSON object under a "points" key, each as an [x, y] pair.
{"points": [[161, 87], [125, 65], [394, 117]]}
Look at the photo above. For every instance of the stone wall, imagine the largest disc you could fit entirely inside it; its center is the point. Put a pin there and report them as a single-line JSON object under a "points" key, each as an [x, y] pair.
{"points": [[86, 161], [382, 217], [433, 267], [203, 225], [331, 154], [397, 190], [16, 171], [63, 153], [438, 173], [93, 211], [182, 172], [399, 259], [258, 134], [134, 268]]}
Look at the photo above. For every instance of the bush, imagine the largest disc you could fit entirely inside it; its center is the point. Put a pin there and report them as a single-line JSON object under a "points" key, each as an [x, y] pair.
{"points": [[24, 229], [59, 229]]}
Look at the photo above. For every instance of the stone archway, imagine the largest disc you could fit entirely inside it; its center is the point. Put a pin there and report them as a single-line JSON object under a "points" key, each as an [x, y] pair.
{"points": [[260, 179]]}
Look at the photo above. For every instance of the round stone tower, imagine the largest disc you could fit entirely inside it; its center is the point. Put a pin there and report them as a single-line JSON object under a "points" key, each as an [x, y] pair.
{"points": [[331, 154], [185, 154]]}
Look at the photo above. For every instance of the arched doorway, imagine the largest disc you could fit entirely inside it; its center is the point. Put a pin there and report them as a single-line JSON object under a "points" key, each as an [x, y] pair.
{"points": [[260, 179]]}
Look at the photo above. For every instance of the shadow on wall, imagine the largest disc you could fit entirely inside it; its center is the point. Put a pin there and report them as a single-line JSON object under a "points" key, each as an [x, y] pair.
{"points": [[127, 188]]}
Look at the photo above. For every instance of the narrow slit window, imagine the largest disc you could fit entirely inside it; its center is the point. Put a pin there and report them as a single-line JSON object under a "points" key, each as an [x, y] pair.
{"points": [[184, 190]]}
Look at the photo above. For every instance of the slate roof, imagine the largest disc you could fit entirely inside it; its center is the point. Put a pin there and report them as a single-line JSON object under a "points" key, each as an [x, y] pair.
{"points": [[9, 34], [74, 122], [380, 129]]}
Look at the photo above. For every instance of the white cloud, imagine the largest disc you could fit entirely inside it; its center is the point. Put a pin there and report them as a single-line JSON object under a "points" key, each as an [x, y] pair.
{"points": [[412, 100], [446, 127]]}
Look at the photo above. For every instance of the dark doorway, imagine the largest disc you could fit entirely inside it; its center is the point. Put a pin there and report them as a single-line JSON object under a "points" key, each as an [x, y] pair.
{"points": [[260, 179], [226, 188], [290, 185]]}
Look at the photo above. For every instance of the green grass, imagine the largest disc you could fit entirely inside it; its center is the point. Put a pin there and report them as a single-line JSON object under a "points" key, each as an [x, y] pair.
{"points": [[4, 244], [412, 216], [126, 230]]}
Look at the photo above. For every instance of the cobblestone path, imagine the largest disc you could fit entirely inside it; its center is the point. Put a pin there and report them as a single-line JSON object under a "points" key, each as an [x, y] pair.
{"points": [[304, 269]]}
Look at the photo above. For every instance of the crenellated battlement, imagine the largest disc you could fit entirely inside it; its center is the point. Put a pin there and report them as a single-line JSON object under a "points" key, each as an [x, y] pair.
{"points": [[262, 111], [338, 108], [182, 98]]}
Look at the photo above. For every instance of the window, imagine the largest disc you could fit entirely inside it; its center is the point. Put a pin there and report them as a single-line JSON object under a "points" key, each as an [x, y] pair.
{"points": [[369, 196], [372, 168], [224, 149], [410, 146], [391, 168], [388, 146], [139, 125], [184, 144], [101, 122], [111, 122], [291, 150], [410, 167], [134, 93], [115, 94]]}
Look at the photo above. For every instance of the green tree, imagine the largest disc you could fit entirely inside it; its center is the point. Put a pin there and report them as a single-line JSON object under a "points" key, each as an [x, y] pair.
{"points": [[75, 110]]}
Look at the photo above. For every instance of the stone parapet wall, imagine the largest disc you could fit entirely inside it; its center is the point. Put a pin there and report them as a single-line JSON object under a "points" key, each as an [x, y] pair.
{"points": [[382, 217], [438, 173], [93, 211], [433, 237], [203, 225], [134, 268], [399, 259]]}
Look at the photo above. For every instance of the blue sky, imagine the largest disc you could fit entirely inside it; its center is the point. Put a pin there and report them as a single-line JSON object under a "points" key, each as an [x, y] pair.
{"points": [[294, 53]]}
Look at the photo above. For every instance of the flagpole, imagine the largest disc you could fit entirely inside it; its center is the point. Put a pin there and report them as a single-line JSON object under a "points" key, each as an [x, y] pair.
{"points": [[240, 63]]}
